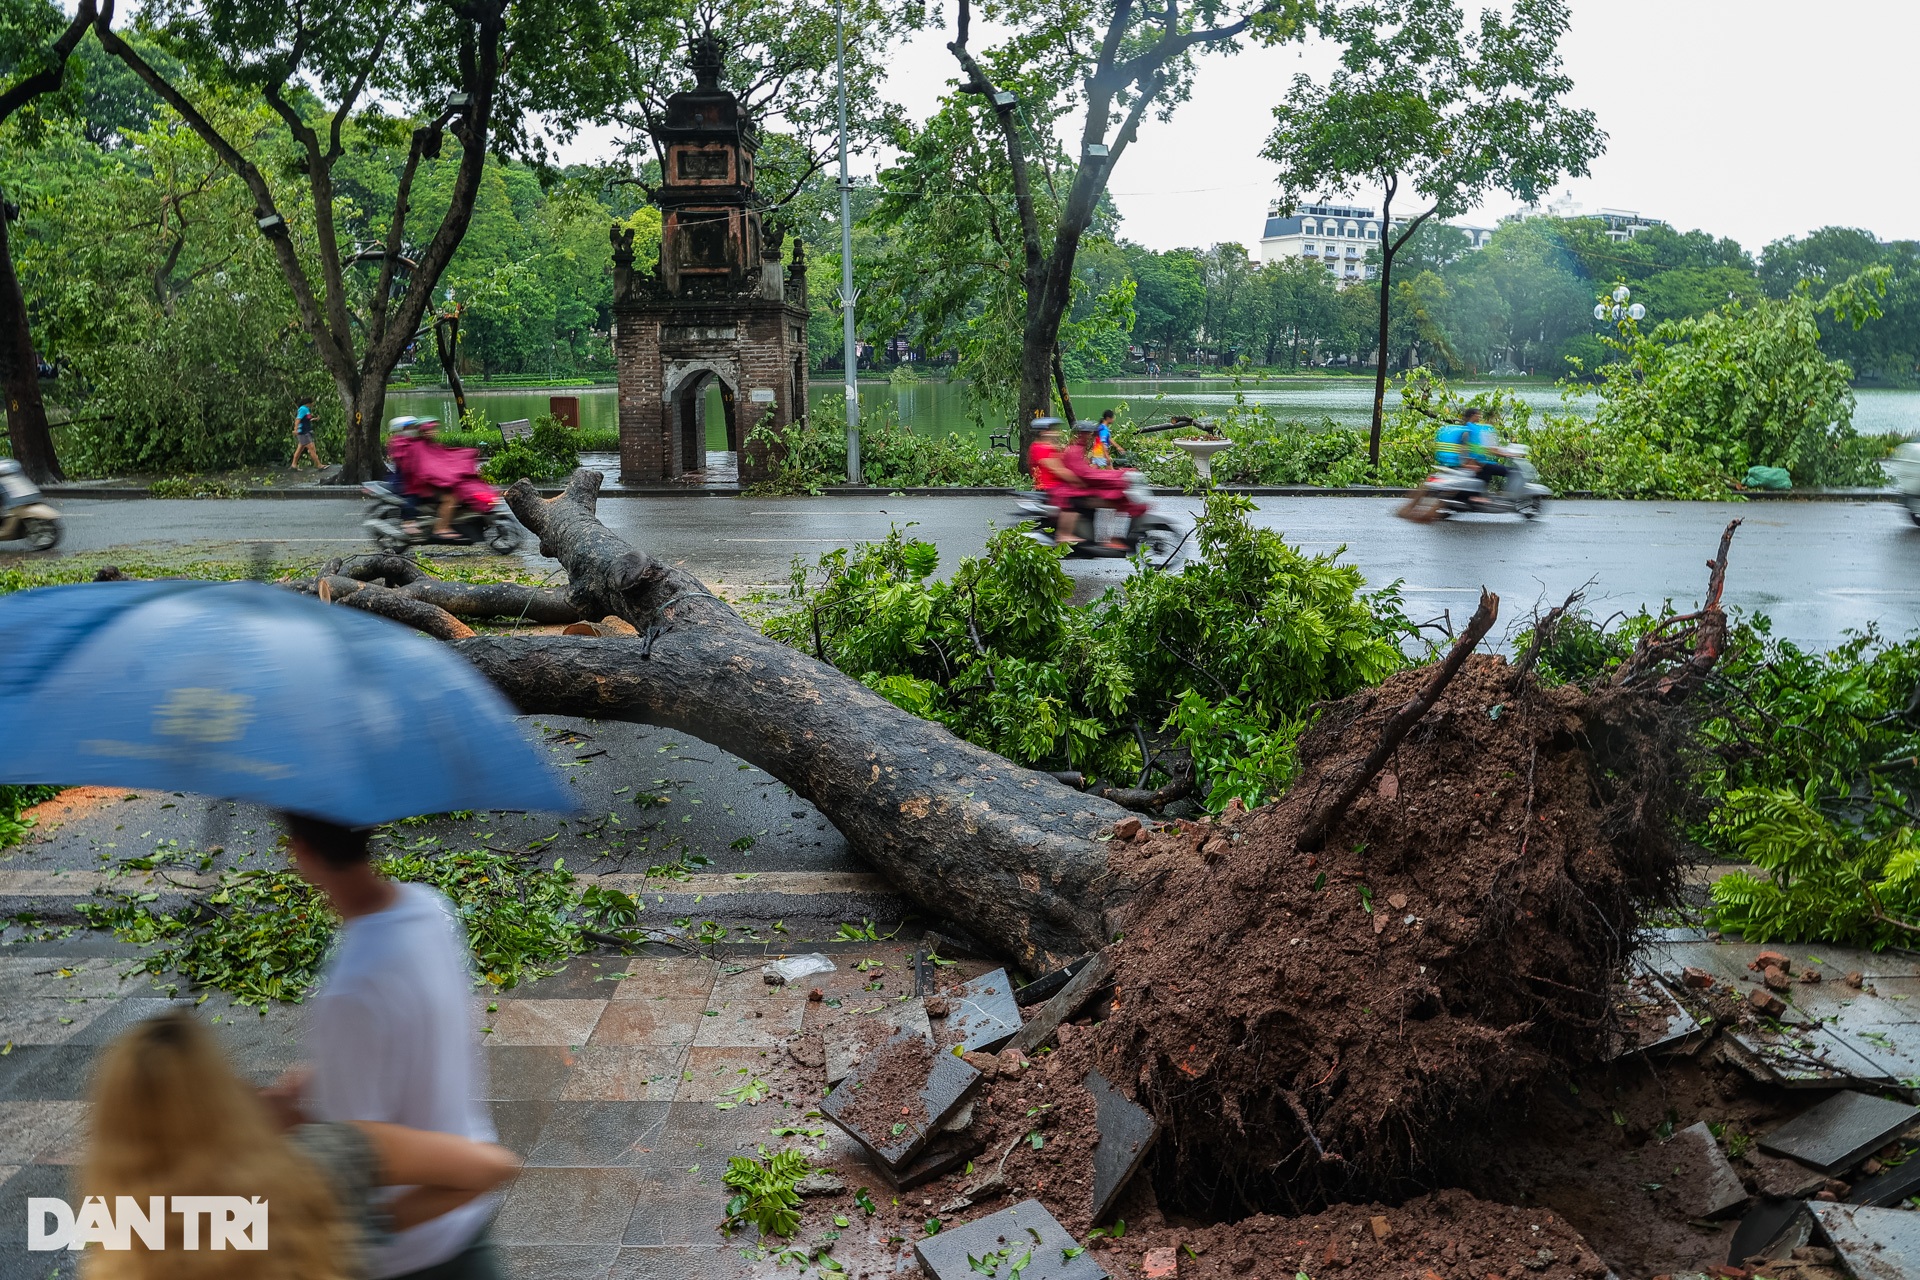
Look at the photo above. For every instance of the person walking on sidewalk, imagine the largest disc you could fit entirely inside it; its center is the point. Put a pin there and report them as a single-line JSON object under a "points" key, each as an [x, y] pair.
{"points": [[391, 1036], [303, 435]]}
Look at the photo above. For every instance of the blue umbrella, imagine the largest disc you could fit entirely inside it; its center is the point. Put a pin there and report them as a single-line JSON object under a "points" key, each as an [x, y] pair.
{"points": [[252, 692]]}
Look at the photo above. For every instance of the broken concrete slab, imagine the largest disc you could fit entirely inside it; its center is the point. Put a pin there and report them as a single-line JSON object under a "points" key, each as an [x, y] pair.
{"points": [[853, 1035], [895, 1141], [1648, 1016], [983, 1015], [1065, 1003], [1127, 1131], [1044, 987], [1840, 1130], [997, 1245], [945, 1153], [1704, 1185], [1884, 1190], [1772, 1228], [1874, 1244]]}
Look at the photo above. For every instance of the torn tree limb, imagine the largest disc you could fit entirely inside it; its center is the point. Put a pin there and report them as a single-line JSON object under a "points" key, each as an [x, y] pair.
{"points": [[418, 614], [1701, 636], [957, 829], [1313, 836], [505, 600]]}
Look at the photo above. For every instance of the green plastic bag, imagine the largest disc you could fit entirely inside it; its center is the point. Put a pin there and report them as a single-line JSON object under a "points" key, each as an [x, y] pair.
{"points": [[1768, 478]]}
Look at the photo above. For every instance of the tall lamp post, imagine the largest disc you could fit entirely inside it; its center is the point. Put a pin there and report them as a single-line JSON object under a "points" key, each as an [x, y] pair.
{"points": [[1621, 309], [848, 293]]}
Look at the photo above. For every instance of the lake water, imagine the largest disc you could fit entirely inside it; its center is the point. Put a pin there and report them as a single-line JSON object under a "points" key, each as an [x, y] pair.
{"points": [[940, 407]]}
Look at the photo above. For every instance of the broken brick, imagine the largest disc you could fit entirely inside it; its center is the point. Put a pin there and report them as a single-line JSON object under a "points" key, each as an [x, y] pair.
{"points": [[1380, 1227], [1160, 1264], [1699, 979], [1775, 978], [1856, 980], [1809, 975], [1126, 828], [1389, 786], [1770, 960], [1764, 1002]]}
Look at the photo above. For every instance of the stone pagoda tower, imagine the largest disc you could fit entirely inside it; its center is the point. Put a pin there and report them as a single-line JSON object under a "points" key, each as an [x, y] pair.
{"points": [[720, 307]]}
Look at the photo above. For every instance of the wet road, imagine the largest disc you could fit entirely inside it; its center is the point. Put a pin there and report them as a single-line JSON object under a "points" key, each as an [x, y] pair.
{"points": [[1817, 568]]}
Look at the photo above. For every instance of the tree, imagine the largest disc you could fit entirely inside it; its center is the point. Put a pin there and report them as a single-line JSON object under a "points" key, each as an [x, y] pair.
{"points": [[475, 69], [35, 46], [1115, 62], [1423, 102]]}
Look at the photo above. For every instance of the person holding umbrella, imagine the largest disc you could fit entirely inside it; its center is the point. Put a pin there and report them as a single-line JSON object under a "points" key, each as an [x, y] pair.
{"points": [[340, 720]]}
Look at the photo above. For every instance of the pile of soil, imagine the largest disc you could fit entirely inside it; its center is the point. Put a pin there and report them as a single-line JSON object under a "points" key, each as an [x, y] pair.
{"points": [[1447, 1235], [1311, 1027]]}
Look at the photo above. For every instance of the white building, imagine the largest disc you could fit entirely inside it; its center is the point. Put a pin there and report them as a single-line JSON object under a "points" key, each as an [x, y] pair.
{"points": [[1337, 235]]}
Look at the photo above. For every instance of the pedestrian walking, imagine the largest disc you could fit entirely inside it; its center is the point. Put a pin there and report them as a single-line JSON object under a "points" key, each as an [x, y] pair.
{"points": [[303, 434], [169, 1118], [391, 1035]]}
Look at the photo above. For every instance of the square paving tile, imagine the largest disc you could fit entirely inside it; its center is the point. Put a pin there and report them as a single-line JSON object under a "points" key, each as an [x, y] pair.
{"points": [[552, 1207], [557, 1261], [15, 1190], [582, 979], [35, 1071], [526, 1071], [43, 1020], [985, 1016], [668, 977], [658, 1022], [555, 1022], [625, 1073], [518, 1123], [895, 1141], [697, 1134], [710, 1071], [685, 1211], [598, 1134], [682, 1262], [106, 1018], [42, 1132], [1839, 1130], [62, 977], [1010, 1234], [1875, 1244], [749, 1012]]}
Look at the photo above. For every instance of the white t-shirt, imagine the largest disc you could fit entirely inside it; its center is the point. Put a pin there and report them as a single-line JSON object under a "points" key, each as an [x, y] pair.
{"points": [[391, 1037]]}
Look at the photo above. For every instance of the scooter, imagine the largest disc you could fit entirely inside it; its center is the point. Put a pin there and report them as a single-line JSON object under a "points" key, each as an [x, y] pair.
{"points": [[1149, 529], [24, 514], [1904, 467], [387, 522], [1456, 489]]}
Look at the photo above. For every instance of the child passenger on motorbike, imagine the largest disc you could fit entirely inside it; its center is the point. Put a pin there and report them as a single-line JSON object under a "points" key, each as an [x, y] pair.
{"points": [[436, 472], [1096, 487]]}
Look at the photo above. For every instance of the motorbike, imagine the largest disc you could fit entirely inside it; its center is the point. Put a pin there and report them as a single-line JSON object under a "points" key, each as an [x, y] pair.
{"points": [[1451, 490], [1904, 467], [387, 522], [24, 514], [1157, 534]]}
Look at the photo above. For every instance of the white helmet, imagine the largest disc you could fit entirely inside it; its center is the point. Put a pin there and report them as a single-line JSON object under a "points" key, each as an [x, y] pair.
{"points": [[403, 425]]}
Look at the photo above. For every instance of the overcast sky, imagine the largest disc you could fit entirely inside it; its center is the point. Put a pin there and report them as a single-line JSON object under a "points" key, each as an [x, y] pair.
{"points": [[1754, 120]]}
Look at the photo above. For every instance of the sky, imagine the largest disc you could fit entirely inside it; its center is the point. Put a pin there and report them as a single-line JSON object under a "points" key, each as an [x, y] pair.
{"points": [[1754, 120]]}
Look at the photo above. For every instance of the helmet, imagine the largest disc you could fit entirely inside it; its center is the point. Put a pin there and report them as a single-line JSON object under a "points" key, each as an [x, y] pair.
{"points": [[404, 425], [424, 424]]}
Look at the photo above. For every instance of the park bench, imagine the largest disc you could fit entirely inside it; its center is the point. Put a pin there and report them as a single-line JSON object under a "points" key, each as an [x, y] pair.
{"points": [[518, 429]]}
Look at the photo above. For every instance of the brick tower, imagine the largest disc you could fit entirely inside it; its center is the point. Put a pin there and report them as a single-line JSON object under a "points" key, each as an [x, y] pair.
{"points": [[720, 307]]}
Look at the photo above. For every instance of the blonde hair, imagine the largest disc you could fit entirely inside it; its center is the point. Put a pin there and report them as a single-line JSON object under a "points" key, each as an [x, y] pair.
{"points": [[170, 1117]]}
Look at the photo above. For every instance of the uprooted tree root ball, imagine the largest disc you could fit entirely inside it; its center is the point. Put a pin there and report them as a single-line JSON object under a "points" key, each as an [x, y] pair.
{"points": [[1307, 1026]]}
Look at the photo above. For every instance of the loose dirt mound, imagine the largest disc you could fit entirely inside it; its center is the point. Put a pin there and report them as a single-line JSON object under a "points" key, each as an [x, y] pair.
{"points": [[1307, 1026]]}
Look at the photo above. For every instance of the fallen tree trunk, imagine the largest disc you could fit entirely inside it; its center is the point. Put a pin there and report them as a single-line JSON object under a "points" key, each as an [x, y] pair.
{"points": [[959, 830]]}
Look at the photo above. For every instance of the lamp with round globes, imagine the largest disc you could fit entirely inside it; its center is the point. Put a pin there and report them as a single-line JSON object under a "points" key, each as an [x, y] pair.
{"points": [[1620, 309]]}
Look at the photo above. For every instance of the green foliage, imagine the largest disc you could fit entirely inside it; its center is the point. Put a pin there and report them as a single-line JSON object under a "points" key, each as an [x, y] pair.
{"points": [[550, 451], [262, 933], [197, 487], [1744, 386], [1222, 659], [764, 1194], [813, 455], [13, 801]]}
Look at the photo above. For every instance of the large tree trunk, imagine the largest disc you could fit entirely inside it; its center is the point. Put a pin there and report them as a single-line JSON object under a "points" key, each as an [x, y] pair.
{"points": [[963, 832], [27, 430]]}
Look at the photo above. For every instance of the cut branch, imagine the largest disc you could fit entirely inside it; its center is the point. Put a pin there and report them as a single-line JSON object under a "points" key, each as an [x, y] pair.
{"points": [[1313, 837]]}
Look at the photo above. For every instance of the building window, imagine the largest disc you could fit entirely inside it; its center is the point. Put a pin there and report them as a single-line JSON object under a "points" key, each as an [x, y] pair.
{"points": [[1373, 233], [1307, 228]]}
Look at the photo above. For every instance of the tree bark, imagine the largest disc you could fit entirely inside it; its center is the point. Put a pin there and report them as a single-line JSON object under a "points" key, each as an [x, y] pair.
{"points": [[960, 831], [27, 430]]}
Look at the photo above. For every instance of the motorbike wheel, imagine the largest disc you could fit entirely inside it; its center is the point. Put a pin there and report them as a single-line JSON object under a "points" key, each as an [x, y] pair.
{"points": [[43, 535], [1533, 510], [390, 543], [1163, 543], [503, 538]]}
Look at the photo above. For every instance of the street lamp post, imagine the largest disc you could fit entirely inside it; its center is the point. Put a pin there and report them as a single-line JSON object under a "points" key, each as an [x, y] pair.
{"points": [[1621, 309], [848, 294]]}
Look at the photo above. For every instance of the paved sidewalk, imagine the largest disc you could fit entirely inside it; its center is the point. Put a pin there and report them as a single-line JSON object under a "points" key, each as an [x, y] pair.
{"points": [[608, 1079]]}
